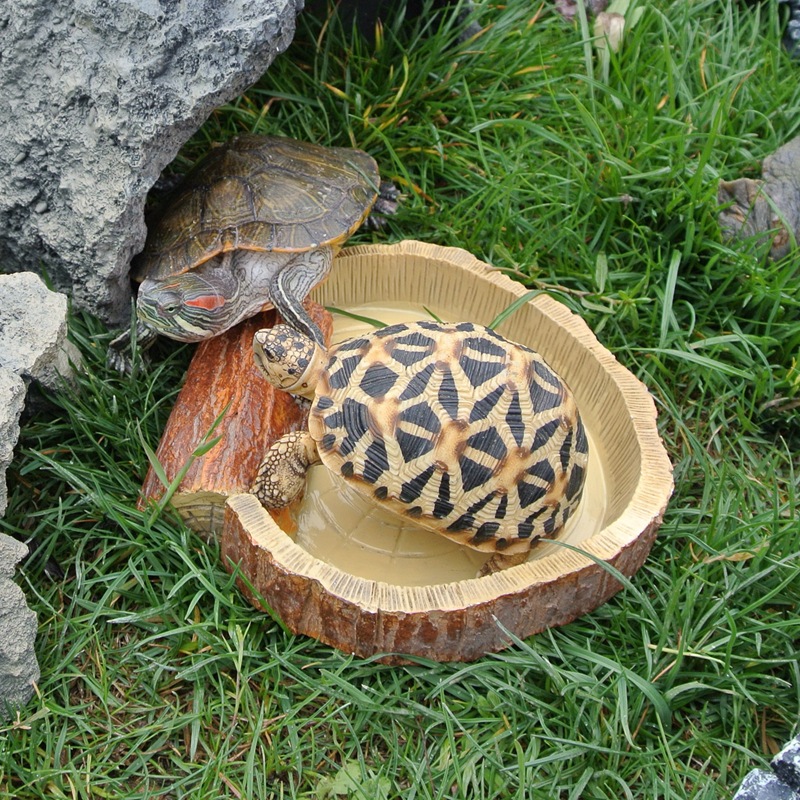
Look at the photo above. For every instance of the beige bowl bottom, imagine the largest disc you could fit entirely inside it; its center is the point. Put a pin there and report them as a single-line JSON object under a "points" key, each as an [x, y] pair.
{"points": [[357, 578]]}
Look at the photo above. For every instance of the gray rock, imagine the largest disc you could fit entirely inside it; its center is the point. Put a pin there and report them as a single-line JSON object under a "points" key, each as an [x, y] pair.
{"points": [[769, 204], [33, 346], [12, 398], [19, 669], [33, 330], [762, 785], [96, 98], [787, 764]]}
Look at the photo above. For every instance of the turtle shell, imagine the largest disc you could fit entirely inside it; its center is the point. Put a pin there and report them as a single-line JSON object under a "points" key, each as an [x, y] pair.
{"points": [[265, 193], [453, 425]]}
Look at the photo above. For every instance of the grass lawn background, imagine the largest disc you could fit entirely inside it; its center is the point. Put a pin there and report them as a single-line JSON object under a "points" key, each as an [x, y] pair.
{"points": [[159, 680]]}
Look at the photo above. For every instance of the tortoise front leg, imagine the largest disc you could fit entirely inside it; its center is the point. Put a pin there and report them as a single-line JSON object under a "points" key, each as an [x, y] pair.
{"points": [[291, 285], [281, 476], [120, 350]]}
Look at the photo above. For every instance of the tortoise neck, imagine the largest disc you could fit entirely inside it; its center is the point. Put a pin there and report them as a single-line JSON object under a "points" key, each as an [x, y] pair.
{"points": [[307, 384]]}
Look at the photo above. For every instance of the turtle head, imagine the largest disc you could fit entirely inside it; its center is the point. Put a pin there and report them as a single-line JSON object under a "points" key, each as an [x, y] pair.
{"points": [[193, 306], [290, 360]]}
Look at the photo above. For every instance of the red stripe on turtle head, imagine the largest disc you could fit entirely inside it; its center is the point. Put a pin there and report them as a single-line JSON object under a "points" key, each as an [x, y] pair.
{"points": [[207, 301]]}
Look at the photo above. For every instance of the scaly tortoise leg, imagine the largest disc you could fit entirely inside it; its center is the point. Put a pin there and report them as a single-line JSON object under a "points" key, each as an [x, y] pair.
{"points": [[281, 476]]}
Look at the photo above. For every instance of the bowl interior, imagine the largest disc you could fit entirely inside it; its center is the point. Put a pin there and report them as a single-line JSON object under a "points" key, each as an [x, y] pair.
{"points": [[337, 526]]}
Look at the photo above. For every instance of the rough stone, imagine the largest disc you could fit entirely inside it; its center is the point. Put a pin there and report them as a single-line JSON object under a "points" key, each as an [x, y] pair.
{"points": [[762, 785], [12, 399], [786, 764], [33, 346], [96, 98], [769, 204], [33, 330], [19, 669]]}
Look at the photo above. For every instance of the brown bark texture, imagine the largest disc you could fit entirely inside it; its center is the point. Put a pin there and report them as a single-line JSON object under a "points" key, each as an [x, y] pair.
{"points": [[222, 377], [394, 633]]}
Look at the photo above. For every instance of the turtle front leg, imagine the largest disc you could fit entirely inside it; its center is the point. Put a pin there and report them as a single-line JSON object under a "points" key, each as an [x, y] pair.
{"points": [[281, 476], [291, 285], [120, 350]]}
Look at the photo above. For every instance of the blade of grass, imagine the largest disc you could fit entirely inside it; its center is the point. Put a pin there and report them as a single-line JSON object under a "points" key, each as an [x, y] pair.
{"points": [[667, 317], [376, 323], [512, 307], [171, 486]]}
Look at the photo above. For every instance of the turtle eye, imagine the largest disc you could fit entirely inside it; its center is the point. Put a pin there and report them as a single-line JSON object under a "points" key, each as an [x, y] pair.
{"points": [[170, 305], [275, 354]]}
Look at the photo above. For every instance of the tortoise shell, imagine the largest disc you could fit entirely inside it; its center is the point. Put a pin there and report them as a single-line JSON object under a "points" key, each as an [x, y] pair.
{"points": [[456, 427], [264, 193]]}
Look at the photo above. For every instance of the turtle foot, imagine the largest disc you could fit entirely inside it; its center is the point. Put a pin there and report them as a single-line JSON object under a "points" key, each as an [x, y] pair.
{"points": [[385, 206], [119, 362], [119, 356], [121, 351], [281, 476], [791, 37]]}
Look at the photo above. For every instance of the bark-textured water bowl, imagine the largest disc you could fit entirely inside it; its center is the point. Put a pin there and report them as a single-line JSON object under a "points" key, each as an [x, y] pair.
{"points": [[342, 586]]}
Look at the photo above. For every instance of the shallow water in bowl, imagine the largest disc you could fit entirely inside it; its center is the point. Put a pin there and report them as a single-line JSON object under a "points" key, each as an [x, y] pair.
{"points": [[339, 526]]}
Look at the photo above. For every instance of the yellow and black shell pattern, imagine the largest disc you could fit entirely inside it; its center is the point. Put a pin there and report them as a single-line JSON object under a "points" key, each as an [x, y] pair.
{"points": [[456, 427]]}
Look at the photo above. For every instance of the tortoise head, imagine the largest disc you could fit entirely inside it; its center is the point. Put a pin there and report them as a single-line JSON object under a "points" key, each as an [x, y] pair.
{"points": [[289, 360]]}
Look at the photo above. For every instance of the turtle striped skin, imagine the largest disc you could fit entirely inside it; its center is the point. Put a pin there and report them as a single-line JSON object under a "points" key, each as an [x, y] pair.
{"points": [[451, 425]]}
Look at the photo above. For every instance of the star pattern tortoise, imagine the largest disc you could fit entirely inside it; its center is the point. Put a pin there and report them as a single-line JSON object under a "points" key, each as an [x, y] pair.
{"points": [[255, 224], [451, 425]]}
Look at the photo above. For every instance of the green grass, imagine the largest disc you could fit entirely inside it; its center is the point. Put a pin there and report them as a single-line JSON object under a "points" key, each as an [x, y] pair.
{"points": [[160, 681]]}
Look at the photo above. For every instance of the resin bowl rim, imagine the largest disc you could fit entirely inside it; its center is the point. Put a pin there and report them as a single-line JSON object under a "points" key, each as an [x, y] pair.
{"points": [[464, 619]]}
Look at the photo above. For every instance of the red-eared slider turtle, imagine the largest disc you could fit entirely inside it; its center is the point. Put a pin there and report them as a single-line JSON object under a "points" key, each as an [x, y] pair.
{"points": [[255, 224], [452, 425]]}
